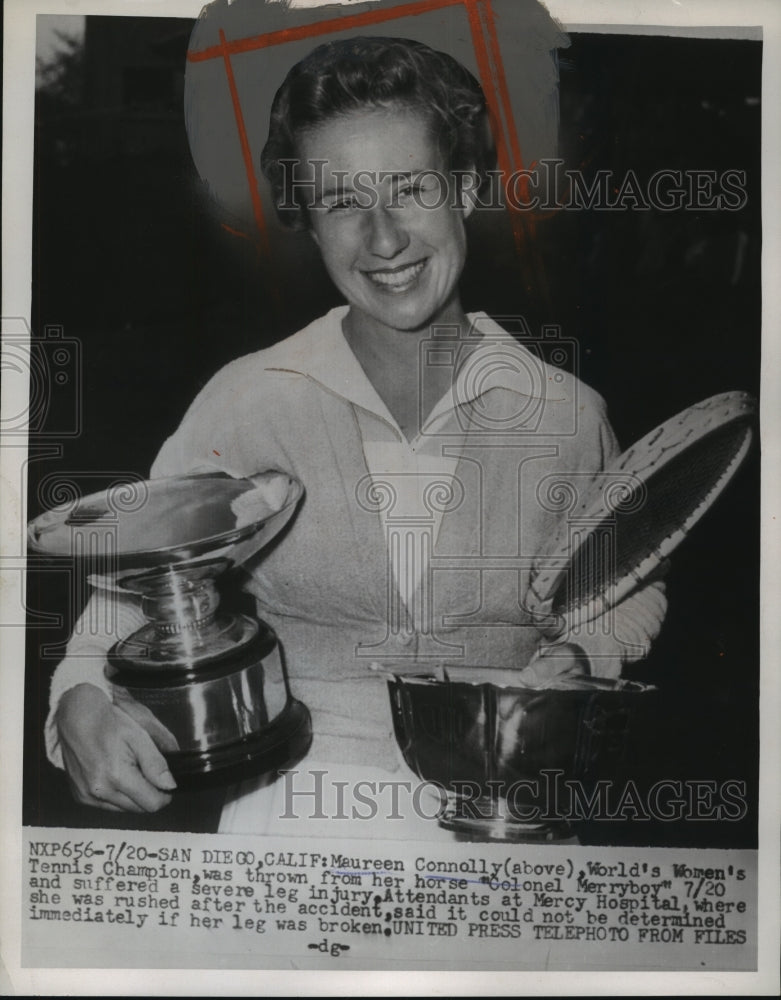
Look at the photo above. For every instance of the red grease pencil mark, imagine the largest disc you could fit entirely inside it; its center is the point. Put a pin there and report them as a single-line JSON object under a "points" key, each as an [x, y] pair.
{"points": [[232, 231], [499, 81], [257, 208], [319, 28], [482, 25], [262, 246], [487, 78], [489, 28], [523, 227]]}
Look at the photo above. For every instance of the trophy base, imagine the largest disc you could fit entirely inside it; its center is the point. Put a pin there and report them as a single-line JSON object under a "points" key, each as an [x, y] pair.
{"points": [[231, 713], [279, 745], [491, 823]]}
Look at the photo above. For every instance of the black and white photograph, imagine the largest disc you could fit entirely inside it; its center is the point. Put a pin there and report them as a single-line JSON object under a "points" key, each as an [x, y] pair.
{"points": [[387, 446]]}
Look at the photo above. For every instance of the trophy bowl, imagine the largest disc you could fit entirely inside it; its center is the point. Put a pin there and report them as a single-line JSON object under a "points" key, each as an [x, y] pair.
{"points": [[215, 679], [505, 756], [509, 758]]}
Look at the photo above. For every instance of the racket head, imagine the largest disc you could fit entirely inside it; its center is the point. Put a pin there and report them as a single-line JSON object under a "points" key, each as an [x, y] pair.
{"points": [[636, 513]]}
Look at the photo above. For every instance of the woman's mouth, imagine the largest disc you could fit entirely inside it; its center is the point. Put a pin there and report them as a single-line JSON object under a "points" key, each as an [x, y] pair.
{"points": [[396, 279]]}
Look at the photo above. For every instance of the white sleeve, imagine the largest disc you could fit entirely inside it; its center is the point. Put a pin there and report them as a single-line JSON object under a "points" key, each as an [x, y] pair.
{"points": [[107, 618], [624, 633]]}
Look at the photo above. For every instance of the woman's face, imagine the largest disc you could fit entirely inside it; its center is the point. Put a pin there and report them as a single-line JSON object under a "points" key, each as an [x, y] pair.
{"points": [[387, 216]]}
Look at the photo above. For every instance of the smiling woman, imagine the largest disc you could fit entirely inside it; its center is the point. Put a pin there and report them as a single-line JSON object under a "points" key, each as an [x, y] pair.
{"points": [[375, 74], [395, 259], [422, 436]]}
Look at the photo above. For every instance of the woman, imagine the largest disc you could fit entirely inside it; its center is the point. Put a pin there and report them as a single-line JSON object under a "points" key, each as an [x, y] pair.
{"points": [[418, 431]]}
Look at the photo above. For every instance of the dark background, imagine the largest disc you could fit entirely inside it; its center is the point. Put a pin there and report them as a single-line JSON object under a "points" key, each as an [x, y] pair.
{"points": [[132, 261]]}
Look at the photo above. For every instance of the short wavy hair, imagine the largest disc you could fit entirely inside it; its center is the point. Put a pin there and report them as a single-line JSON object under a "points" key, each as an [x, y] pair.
{"points": [[359, 73]]}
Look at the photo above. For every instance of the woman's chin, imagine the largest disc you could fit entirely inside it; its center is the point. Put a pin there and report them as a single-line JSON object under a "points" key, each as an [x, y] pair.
{"points": [[405, 316]]}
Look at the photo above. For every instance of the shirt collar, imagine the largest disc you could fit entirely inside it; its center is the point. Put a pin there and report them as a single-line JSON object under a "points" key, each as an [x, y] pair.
{"points": [[322, 354]]}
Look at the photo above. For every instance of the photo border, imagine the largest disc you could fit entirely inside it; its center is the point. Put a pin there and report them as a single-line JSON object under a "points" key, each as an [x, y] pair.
{"points": [[18, 88]]}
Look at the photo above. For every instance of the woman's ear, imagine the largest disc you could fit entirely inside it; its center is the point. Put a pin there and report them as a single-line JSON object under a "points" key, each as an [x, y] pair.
{"points": [[469, 182]]}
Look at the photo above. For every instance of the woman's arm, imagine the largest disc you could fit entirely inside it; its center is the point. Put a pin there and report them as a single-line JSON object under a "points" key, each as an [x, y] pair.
{"points": [[113, 756], [111, 752], [624, 633], [602, 646]]}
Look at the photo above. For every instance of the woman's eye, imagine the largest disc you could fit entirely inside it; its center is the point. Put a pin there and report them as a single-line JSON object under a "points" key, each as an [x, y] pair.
{"points": [[342, 205], [417, 193]]}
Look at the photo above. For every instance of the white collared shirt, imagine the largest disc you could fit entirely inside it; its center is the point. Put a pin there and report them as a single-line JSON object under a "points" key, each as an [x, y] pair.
{"points": [[239, 424], [418, 474]]}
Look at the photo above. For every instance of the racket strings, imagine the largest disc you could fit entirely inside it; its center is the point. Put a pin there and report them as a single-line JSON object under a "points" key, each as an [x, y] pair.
{"points": [[626, 540]]}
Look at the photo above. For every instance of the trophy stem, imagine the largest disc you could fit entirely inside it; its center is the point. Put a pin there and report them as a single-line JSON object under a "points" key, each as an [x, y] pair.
{"points": [[179, 603]]}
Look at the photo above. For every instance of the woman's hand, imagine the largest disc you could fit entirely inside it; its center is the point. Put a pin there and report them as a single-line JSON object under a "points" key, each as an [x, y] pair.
{"points": [[112, 755], [554, 663]]}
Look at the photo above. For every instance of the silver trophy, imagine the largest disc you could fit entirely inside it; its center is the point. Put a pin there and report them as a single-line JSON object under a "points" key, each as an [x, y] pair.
{"points": [[505, 755], [494, 745], [215, 679]]}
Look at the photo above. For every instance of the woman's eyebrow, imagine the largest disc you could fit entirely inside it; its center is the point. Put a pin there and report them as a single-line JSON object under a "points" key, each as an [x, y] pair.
{"points": [[404, 175], [375, 177]]}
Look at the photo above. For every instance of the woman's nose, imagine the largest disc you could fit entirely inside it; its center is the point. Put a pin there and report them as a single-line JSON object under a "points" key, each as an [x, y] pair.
{"points": [[386, 236]]}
